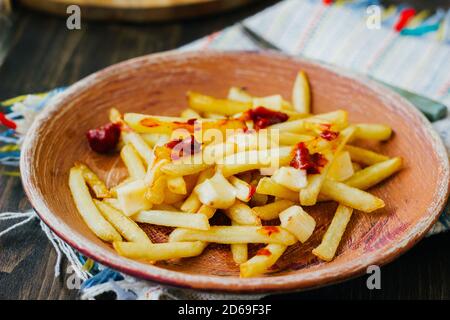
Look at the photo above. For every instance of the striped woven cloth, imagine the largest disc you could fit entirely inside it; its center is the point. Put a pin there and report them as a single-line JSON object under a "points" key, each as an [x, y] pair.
{"points": [[410, 50], [416, 58]]}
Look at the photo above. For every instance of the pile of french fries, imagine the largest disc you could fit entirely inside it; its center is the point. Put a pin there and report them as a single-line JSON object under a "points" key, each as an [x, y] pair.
{"points": [[253, 175]]}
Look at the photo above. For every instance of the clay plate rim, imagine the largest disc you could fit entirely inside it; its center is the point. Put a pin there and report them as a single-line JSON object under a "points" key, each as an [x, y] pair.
{"points": [[306, 280]]}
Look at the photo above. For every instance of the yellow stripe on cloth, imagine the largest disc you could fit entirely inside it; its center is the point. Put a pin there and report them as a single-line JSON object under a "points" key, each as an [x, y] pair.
{"points": [[418, 19], [9, 147], [21, 98]]}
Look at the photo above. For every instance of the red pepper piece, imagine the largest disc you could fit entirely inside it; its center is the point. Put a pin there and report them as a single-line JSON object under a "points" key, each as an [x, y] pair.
{"points": [[269, 230], [304, 160], [263, 252], [183, 147], [263, 117], [105, 138]]}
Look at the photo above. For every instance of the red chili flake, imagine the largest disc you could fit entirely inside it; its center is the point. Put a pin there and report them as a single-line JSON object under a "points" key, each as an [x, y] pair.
{"points": [[405, 15], [252, 191], [172, 144], [263, 252], [105, 138], [269, 230], [6, 122], [263, 117], [191, 121], [149, 123], [305, 161], [188, 125], [181, 146], [327, 133]]}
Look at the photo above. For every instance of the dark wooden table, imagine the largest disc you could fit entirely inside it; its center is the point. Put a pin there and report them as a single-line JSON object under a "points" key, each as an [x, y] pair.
{"points": [[38, 53]]}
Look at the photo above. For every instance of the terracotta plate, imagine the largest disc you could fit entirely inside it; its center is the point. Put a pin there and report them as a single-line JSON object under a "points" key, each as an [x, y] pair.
{"points": [[157, 84]]}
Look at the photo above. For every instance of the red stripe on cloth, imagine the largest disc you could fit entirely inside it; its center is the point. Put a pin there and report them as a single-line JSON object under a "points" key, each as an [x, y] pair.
{"points": [[6, 122], [210, 39], [310, 27], [405, 15], [327, 2]]}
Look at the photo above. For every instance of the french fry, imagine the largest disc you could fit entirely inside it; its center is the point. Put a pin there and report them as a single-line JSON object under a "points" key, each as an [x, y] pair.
{"points": [[235, 234], [98, 186], [239, 251], [131, 197], [142, 123], [274, 102], [255, 159], [356, 166], [242, 214], [289, 138], [203, 103], [87, 209], [249, 141], [133, 162], [210, 115], [191, 204], [244, 190], [173, 219], [216, 192], [297, 221], [207, 211], [216, 152], [115, 116], [272, 210], [154, 170], [190, 114], [155, 139], [339, 120], [286, 106], [291, 178], [172, 198], [239, 94], [364, 156], [262, 261], [342, 168], [139, 145], [330, 242], [351, 197], [270, 187], [126, 227], [370, 176], [165, 207], [370, 131], [183, 169], [159, 251], [113, 190], [176, 185], [113, 202], [301, 94], [309, 194]]}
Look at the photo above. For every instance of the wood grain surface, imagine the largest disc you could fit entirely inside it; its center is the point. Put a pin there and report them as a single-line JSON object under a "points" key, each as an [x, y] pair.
{"points": [[137, 10], [27, 258]]}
